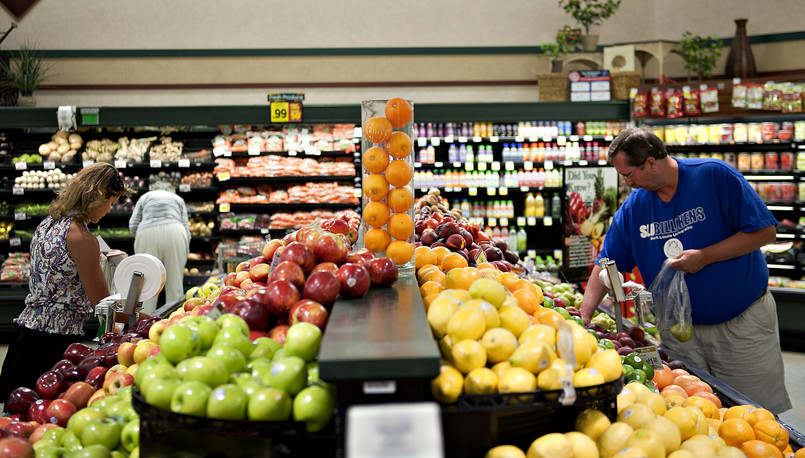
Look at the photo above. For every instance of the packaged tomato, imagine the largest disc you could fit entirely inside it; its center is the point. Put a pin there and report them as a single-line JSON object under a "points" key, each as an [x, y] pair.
{"points": [[739, 94], [640, 104], [657, 107], [754, 97], [792, 98], [690, 99], [674, 103], [708, 99], [772, 97]]}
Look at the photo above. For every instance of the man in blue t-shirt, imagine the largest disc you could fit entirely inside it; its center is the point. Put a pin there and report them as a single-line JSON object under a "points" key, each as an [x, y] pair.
{"points": [[703, 216]]}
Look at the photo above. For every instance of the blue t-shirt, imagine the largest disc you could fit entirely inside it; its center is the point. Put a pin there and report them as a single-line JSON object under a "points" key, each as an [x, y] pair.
{"points": [[712, 202]]}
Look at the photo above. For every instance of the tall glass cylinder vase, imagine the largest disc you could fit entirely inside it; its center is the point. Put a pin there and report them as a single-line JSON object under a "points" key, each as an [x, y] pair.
{"points": [[387, 204]]}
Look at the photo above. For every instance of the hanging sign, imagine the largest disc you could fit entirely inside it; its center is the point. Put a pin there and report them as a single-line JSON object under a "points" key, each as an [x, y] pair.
{"points": [[286, 107]]}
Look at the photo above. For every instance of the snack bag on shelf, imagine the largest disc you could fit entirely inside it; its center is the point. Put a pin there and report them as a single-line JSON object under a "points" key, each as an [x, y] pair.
{"points": [[792, 98], [739, 94], [640, 104], [657, 102], [754, 97], [772, 97], [691, 101], [674, 100], [708, 98]]}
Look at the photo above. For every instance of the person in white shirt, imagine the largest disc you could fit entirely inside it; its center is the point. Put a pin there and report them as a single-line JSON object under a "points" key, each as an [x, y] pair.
{"points": [[161, 228]]}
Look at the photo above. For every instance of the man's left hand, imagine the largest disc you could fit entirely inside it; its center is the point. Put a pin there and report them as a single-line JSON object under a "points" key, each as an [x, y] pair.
{"points": [[690, 261]]}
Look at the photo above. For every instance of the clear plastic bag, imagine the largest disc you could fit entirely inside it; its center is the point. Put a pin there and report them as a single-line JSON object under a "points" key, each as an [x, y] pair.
{"points": [[672, 302]]}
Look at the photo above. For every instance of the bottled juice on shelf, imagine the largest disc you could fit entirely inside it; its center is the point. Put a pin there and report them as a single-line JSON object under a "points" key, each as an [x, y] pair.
{"points": [[541, 178], [521, 240], [556, 206], [496, 232], [452, 153], [470, 154], [504, 233], [530, 208], [539, 206]]}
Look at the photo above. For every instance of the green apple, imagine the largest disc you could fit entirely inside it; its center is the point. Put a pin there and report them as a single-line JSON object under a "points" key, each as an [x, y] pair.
{"points": [[130, 436], [313, 372], [258, 368], [208, 288], [160, 371], [91, 451], [102, 431], [208, 370], [160, 392], [264, 346], [234, 360], [269, 404], [71, 440], [303, 340], [119, 454], [190, 398], [232, 336], [48, 449], [123, 411], [106, 403], [124, 393], [314, 405], [205, 327], [55, 434], [144, 367], [278, 355], [228, 401], [228, 319], [135, 453], [288, 374], [178, 343], [245, 380]]}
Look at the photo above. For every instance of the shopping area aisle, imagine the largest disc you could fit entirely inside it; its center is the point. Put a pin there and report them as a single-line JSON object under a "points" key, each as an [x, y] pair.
{"points": [[794, 375]]}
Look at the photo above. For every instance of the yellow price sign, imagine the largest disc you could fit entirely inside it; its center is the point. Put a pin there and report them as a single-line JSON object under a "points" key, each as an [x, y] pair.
{"points": [[280, 112]]}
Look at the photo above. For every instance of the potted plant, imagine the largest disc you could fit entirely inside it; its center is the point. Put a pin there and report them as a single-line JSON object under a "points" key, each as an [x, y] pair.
{"points": [[588, 13], [567, 39], [25, 72], [700, 53]]}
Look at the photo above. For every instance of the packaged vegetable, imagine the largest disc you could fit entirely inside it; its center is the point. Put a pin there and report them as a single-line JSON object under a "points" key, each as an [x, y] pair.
{"points": [[708, 99]]}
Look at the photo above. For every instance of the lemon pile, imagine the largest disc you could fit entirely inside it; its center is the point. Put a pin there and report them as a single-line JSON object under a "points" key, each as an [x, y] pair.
{"points": [[490, 345]]}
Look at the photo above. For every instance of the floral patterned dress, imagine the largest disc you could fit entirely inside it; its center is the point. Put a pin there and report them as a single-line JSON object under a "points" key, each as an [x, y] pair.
{"points": [[57, 302]]}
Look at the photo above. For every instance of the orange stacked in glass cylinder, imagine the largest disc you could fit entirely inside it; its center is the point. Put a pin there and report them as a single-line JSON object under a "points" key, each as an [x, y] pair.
{"points": [[388, 172]]}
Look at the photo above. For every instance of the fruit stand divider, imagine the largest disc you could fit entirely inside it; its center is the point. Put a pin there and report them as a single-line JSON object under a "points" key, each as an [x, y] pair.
{"points": [[729, 397], [380, 340]]}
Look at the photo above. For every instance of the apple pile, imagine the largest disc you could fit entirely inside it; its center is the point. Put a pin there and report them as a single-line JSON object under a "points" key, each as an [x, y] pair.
{"points": [[434, 228], [211, 368]]}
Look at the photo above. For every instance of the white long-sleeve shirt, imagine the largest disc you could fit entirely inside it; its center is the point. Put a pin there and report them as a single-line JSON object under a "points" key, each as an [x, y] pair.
{"points": [[156, 208]]}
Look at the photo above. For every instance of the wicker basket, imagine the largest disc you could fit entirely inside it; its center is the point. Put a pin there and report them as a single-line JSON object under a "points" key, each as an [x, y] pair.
{"points": [[622, 83], [553, 87]]}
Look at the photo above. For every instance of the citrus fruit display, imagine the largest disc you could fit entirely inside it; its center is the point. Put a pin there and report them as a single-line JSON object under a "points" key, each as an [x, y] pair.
{"points": [[388, 172]]}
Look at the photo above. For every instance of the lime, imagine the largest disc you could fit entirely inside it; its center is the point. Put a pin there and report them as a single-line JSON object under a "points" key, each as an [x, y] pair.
{"points": [[648, 370], [634, 360], [563, 312], [578, 320], [593, 333], [627, 369], [636, 375], [547, 302], [606, 344], [650, 385]]}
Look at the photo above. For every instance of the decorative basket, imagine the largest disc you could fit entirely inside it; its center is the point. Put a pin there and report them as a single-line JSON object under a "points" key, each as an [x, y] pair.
{"points": [[622, 83], [553, 87]]}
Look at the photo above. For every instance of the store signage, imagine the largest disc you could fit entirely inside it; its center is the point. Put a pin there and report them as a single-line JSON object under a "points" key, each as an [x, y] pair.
{"points": [[589, 85], [588, 210], [286, 107], [396, 429], [90, 116]]}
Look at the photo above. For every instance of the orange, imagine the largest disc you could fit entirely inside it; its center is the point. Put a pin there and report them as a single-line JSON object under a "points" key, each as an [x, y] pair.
{"points": [[526, 300], [763, 414], [475, 272], [426, 301], [663, 378], [770, 431], [375, 159], [376, 239], [441, 252], [399, 112], [458, 279], [485, 265], [401, 226], [551, 318], [525, 284], [706, 406], [800, 453], [508, 279], [696, 386], [399, 145], [674, 389], [683, 380], [744, 412], [710, 397], [376, 214], [674, 400], [400, 252], [760, 449], [736, 431], [399, 173], [375, 186], [377, 129], [434, 275], [453, 261], [400, 199], [431, 287], [424, 270], [680, 372], [423, 256]]}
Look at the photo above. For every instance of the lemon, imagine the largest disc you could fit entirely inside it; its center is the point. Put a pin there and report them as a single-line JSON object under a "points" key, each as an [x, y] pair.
{"points": [[591, 422], [625, 398], [505, 451], [587, 377], [468, 355], [608, 363], [550, 446], [631, 452], [700, 448], [684, 419], [500, 367], [730, 452], [457, 295], [447, 386], [466, 324], [514, 319], [499, 343], [550, 379], [687, 454], [490, 313], [517, 380], [481, 381], [667, 431], [541, 332], [614, 438], [439, 313], [583, 445], [637, 415], [446, 347], [582, 346], [490, 290], [648, 441], [534, 356], [638, 389], [653, 400]]}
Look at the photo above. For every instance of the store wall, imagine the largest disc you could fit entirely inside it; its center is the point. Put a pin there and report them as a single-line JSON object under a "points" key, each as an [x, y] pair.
{"points": [[188, 52]]}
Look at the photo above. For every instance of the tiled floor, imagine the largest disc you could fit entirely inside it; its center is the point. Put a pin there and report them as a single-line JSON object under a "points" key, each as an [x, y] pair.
{"points": [[794, 374]]}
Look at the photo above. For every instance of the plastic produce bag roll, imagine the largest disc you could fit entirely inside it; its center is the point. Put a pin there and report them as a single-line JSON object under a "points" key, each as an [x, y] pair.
{"points": [[153, 271]]}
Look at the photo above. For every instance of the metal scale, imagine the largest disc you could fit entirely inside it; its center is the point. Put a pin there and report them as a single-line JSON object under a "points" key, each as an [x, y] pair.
{"points": [[131, 304], [637, 293]]}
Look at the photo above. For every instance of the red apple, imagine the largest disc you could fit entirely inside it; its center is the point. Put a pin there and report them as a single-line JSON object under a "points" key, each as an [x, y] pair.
{"points": [[254, 312], [77, 351], [288, 271], [352, 233], [62, 366], [37, 411], [259, 272], [281, 295], [354, 280], [259, 259], [60, 410], [270, 248], [20, 429], [20, 400], [110, 356], [308, 237], [16, 447], [40, 431], [325, 266], [243, 265], [228, 301], [242, 275], [229, 279], [300, 254], [383, 271], [227, 290], [278, 333], [331, 248], [79, 394], [96, 376], [246, 284], [366, 254], [192, 303], [323, 287], [51, 384], [339, 226], [355, 258], [116, 381], [309, 311], [254, 334]]}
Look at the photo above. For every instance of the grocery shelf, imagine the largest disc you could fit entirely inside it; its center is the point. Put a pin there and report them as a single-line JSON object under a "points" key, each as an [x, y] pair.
{"points": [[265, 208], [285, 179], [305, 154], [71, 166]]}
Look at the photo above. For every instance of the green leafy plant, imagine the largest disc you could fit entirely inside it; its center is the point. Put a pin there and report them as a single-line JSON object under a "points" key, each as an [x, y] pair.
{"points": [[26, 71], [590, 12], [700, 53], [567, 40]]}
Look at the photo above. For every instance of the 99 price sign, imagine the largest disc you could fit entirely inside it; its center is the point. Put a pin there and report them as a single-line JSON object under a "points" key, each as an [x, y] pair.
{"points": [[286, 111]]}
